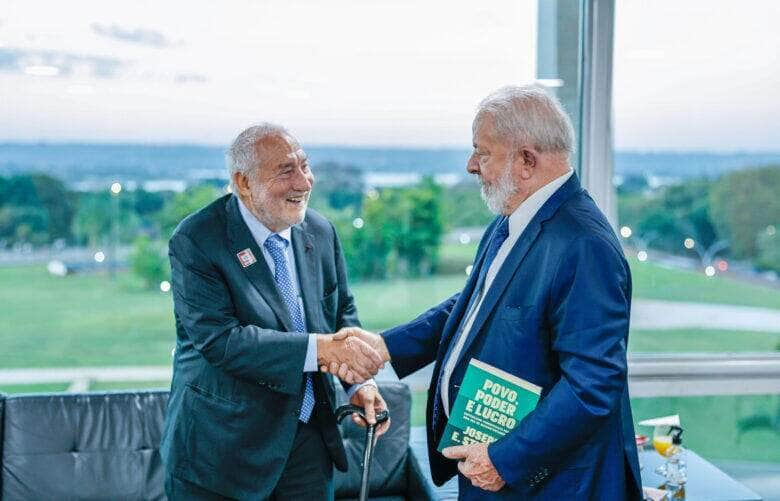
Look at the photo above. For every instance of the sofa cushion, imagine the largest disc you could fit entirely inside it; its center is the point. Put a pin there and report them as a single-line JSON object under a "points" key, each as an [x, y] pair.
{"points": [[105, 446], [83, 446]]}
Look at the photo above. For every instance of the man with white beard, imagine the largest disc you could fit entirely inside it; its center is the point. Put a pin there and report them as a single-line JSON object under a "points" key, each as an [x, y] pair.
{"points": [[257, 279], [548, 301]]}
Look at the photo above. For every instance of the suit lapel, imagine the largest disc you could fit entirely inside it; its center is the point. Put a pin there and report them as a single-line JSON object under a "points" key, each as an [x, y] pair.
{"points": [[515, 257], [459, 310], [308, 273], [259, 274]]}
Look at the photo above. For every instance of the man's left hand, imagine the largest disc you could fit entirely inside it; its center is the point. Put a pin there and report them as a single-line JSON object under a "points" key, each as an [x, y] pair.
{"points": [[476, 465], [371, 401]]}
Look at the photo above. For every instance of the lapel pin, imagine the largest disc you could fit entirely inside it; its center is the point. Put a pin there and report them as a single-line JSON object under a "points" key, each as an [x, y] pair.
{"points": [[246, 258]]}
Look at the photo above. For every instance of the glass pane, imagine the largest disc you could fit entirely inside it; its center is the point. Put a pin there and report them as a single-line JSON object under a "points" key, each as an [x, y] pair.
{"points": [[117, 123], [697, 174]]}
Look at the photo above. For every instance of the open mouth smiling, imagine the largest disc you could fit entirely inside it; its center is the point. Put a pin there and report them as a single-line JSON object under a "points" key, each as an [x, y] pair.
{"points": [[297, 200]]}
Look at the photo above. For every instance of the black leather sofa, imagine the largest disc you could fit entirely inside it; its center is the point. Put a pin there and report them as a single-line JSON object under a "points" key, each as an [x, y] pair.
{"points": [[104, 445]]}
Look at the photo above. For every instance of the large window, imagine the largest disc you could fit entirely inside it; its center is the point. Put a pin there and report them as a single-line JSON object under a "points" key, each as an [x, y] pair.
{"points": [[697, 172], [117, 119]]}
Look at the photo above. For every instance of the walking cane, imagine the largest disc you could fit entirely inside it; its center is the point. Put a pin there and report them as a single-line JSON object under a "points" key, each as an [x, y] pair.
{"points": [[381, 417]]}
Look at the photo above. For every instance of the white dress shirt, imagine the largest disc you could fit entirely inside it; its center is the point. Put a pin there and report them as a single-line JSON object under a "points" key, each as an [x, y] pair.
{"points": [[518, 221]]}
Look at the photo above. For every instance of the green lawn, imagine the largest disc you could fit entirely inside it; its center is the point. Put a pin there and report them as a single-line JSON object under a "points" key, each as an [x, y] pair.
{"points": [[652, 281], [137, 385], [712, 426], [458, 251], [385, 304], [33, 388], [88, 320], [678, 340], [81, 320]]}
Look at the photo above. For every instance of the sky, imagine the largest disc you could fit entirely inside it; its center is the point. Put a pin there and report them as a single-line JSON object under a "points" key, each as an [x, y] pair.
{"points": [[688, 75]]}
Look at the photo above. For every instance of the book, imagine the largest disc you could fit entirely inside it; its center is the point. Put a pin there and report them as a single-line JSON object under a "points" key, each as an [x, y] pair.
{"points": [[490, 403]]}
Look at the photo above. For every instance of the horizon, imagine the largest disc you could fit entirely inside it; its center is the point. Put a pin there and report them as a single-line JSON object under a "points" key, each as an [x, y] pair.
{"points": [[360, 146]]}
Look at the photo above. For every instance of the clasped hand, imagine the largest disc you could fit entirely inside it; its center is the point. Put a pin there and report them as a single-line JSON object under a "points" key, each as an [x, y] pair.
{"points": [[366, 339], [359, 360]]}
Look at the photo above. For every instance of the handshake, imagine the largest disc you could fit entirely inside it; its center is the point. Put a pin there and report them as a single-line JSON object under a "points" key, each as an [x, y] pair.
{"points": [[352, 354]]}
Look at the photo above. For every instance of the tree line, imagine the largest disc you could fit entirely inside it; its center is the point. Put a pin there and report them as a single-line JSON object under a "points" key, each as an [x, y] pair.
{"points": [[395, 231], [741, 209], [387, 232]]}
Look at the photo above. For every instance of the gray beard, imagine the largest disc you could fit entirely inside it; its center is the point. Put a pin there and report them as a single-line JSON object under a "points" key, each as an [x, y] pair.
{"points": [[497, 194], [261, 201]]}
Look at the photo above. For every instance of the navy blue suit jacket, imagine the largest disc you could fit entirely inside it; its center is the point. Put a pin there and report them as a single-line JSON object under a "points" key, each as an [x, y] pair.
{"points": [[557, 315]]}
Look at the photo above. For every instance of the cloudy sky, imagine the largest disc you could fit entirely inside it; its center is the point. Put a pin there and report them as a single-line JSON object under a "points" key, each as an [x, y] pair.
{"points": [[694, 74]]}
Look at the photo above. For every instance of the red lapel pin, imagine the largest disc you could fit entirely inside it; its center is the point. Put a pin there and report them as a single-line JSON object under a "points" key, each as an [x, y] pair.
{"points": [[246, 258]]}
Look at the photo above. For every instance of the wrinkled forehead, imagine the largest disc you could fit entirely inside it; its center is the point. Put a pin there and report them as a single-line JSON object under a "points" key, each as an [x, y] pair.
{"points": [[278, 147], [484, 127]]}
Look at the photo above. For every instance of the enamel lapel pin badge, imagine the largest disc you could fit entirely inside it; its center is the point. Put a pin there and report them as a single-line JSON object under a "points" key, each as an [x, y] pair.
{"points": [[246, 258]]}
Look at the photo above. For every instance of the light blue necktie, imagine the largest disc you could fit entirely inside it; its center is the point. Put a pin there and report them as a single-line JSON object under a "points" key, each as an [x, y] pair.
{"points": [[277, 246]]}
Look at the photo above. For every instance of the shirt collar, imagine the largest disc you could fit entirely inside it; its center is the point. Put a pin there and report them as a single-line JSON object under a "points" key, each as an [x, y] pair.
{"points": [[258, 229], [526, 211]]}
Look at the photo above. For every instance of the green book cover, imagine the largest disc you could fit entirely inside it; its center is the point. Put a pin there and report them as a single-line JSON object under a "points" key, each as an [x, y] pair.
{"points": [[489, 405]]}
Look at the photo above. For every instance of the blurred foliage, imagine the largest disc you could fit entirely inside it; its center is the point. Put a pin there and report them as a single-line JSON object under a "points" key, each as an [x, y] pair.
{"points": [[183, 204], [101, 215], [35, 208], [666, 217], [416, 218], [739, 207], [337, 186], [768, 243], [759, 421], [23, 224], [464, 206], [397, 233], [633, 183], [744, 203], [149, 261]]}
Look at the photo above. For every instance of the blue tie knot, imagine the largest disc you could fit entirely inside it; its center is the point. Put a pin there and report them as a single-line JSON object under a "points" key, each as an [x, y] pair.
{"points": [[276, 242], [497, 239], [502, 231]]}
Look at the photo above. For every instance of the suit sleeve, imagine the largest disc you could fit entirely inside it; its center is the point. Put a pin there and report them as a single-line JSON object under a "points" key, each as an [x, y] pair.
{"points": [[202, 304], [414, 345], [589, 317]]}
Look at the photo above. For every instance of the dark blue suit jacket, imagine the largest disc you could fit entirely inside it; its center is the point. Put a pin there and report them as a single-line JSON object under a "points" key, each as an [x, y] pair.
{"points": [[557, 315]]}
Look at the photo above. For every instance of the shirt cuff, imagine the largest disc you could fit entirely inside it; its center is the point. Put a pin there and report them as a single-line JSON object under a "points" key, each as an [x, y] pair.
{"points": [[310, 364], [355, 387]]}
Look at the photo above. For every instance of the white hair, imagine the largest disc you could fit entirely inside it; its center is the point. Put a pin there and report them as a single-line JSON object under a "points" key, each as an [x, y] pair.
{"points": [[528, 114], [242, 154]]}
